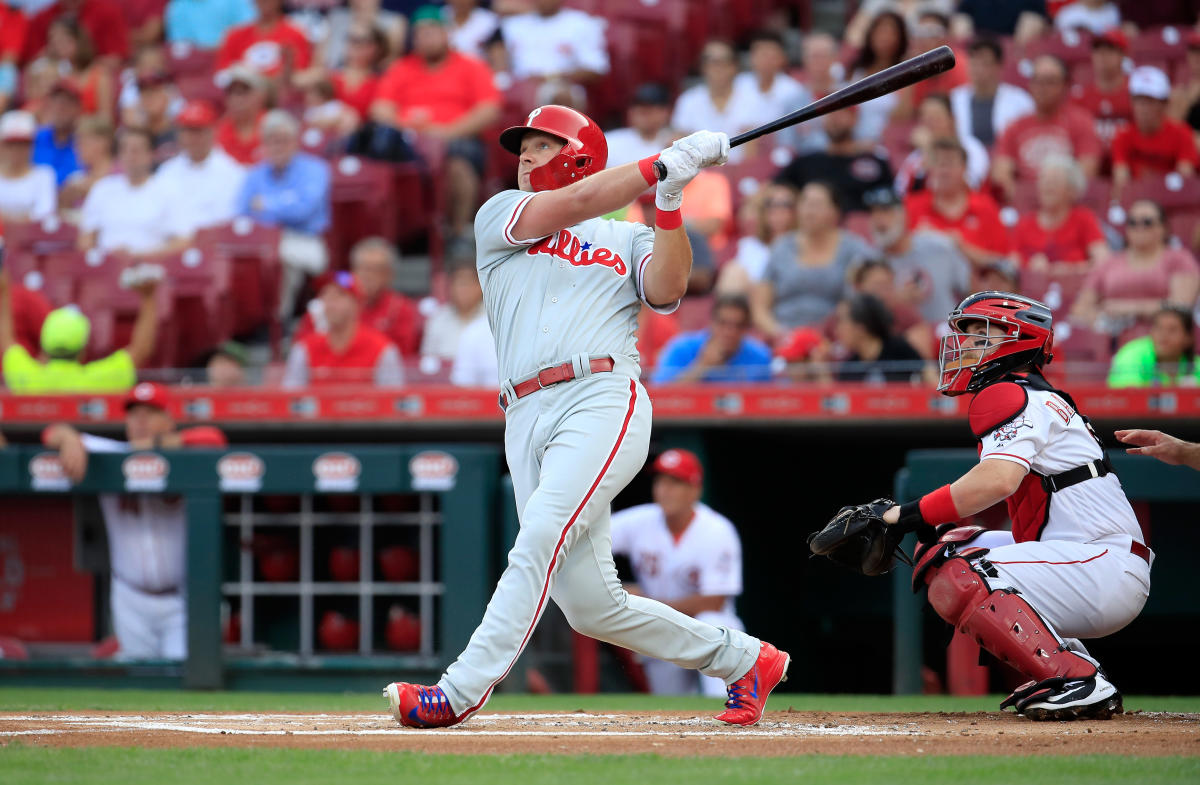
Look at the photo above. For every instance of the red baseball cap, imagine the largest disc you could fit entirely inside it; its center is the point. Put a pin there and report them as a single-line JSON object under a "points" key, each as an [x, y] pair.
{"points": [[1114, 37], [342, 279], [196, 114], [799, 344], [67, 86], [680, 464], [149, 394]]}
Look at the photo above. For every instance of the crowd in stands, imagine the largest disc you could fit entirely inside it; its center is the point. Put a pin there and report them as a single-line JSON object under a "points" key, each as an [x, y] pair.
{"points": [[199, 171]]}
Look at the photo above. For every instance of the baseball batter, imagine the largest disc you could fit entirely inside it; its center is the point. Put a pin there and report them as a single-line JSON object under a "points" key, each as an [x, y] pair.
{"points": [[1075, 564], [562, 289], [683, 553]]}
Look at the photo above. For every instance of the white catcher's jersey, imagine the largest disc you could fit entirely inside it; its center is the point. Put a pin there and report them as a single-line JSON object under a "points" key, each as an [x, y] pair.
{"points": [[551, 298], [1049, 437], [707, 558]]}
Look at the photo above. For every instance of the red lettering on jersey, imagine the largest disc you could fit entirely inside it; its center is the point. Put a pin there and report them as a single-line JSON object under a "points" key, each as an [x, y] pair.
{"points": [[648, 564], [567, 247], [1060, 407]]}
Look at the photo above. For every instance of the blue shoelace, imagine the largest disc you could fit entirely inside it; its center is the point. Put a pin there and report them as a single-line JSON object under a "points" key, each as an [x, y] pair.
{"points": [[433, 703]]}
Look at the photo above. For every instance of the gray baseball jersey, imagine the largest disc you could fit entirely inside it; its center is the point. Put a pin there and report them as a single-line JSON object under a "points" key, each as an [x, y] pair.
{"points": [[551, 298], [571, 448]]}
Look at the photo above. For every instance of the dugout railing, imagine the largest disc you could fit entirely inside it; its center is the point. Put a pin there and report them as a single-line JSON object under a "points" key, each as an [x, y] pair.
{"points": [[446, 505], [1144, 480]]}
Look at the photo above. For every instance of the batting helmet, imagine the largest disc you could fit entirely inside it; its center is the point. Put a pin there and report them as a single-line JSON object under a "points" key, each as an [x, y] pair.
{"points": [[1019, 331], [584, 149]]}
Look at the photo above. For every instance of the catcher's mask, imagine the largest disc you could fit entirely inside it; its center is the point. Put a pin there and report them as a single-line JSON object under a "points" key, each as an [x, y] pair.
{"points": [[584, 150], [991, 335]]}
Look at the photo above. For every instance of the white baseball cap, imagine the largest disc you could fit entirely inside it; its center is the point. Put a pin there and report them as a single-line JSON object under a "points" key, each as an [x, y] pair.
{"points": [[1148, 81], [17, 126]]}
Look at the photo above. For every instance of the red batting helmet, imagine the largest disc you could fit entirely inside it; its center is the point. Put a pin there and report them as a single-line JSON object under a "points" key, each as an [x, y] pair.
{"points": [[1019, 331], [584, 149]]}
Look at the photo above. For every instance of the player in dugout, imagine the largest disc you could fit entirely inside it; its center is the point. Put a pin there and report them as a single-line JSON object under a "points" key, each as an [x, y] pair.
{"points": [[686, 555], [147, 532], [1075, 564]]}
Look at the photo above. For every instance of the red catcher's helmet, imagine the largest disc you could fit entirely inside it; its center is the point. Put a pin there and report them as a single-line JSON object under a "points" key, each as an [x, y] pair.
{"points": [[1020, 332], [584, 151]]}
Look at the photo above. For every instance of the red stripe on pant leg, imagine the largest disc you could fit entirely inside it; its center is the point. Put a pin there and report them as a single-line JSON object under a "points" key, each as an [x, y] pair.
{"points": [[561, 539], [1055, 563]]}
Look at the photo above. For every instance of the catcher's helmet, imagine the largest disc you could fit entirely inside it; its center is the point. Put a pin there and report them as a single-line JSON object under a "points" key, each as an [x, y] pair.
{"points": [[584, 151], [1018, 331]]}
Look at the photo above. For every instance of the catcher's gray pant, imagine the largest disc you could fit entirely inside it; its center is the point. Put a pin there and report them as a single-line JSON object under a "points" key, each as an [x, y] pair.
{"points": [[571, 448]]}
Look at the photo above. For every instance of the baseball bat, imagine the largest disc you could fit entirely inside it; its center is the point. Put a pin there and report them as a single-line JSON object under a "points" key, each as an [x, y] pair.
{"points": [[889, 80]]}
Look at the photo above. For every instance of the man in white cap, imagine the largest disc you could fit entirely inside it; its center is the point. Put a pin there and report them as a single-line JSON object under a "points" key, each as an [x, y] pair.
{"points": [[27, 192], [1153, 143]]}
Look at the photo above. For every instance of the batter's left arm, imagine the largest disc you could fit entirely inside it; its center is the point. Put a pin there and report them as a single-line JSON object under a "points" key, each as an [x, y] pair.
{"points": [[665, 278], [666, 275]]}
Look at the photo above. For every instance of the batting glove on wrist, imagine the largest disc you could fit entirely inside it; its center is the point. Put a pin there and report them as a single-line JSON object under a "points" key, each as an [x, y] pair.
{"points": [[684, 159]]}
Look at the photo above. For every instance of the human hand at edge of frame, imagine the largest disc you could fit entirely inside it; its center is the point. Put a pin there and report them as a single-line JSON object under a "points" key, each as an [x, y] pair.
{"points": [[1163, 446]]}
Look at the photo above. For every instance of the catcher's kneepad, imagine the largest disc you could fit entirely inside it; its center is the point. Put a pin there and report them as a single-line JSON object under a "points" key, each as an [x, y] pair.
{"points": [[950, 542], [858, 538]]}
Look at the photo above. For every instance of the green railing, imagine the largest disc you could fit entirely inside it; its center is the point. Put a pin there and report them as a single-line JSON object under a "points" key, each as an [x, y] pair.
{"points": [[463, 479]]}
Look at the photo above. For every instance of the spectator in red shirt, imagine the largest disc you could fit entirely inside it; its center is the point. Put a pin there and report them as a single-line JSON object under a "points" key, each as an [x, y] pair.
{"points": [[13, 26], [238, 133], [342, 350], [357, 82], [1154, 143], [374, 261], [1106, 96], [1055, 127], [447, 96], [29, 309], [1060, 233], [102, 19], [948, 205], [269, 44]]}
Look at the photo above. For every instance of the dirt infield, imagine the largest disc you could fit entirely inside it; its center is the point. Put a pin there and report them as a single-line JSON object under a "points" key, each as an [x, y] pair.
{"points": [[663, 733]]}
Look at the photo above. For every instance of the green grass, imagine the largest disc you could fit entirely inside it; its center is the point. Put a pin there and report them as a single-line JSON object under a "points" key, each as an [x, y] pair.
{"points": [[21, 764], [20, 699]]}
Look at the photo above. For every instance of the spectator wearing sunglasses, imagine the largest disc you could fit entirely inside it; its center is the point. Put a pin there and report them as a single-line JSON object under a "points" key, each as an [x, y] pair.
{"points": [[1122, 294]]}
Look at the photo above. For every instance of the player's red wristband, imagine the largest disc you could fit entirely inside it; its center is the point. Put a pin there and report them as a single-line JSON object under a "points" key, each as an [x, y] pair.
{"points": [[938, 507], [646, 167], [664, 219]]}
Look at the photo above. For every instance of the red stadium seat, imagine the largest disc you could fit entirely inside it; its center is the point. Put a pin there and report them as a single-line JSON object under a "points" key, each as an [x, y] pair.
{"points": [[746, 177], [255, 271], [186, 60], [1171, 192], [363, 204], [1159, 45], [113, 310], [1059, 290], [198, 285]]}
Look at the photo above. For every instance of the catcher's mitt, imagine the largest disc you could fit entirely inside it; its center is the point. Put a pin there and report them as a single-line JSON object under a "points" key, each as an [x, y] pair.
{"points": [[858, 538]]}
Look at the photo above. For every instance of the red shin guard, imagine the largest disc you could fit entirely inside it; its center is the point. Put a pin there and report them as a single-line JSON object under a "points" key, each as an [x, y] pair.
{"points": [[1002, 622]]}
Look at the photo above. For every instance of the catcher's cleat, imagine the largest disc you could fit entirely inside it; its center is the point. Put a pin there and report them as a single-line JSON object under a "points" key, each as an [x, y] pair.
{"points": [[748, 695], [1059, 700], [420, 707]]}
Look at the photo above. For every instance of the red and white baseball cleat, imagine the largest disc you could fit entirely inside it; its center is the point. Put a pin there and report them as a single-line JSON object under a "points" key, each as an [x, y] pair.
{"points": [[420, 707], [748, 695]]}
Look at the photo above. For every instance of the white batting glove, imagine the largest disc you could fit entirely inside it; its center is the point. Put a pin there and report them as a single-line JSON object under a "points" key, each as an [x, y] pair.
{"points": [[684, 159], [711, 146]]}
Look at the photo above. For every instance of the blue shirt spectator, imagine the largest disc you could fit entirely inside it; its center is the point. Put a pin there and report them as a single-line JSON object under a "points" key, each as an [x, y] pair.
{"points": [[203, 23], [292, 196], [723, 352], [60, 157]]}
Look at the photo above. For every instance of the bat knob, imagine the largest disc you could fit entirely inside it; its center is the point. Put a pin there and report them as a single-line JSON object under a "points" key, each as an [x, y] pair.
{"points": [[660, 170]]}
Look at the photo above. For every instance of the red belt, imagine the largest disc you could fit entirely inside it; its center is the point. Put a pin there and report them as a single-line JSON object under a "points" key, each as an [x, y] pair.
{"points": [[552, 375], [1137, 549]]}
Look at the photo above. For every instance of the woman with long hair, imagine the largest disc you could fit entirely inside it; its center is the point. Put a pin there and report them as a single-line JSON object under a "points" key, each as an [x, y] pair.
{"points": [[1167, 356]]}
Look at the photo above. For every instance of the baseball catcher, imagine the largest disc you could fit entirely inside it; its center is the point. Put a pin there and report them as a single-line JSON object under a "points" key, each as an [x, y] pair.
{"points": [[1075, 564]]}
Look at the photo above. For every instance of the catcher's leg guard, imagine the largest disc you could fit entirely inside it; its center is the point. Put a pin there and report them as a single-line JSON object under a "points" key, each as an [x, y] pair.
{"points": [[1002, 622]]}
